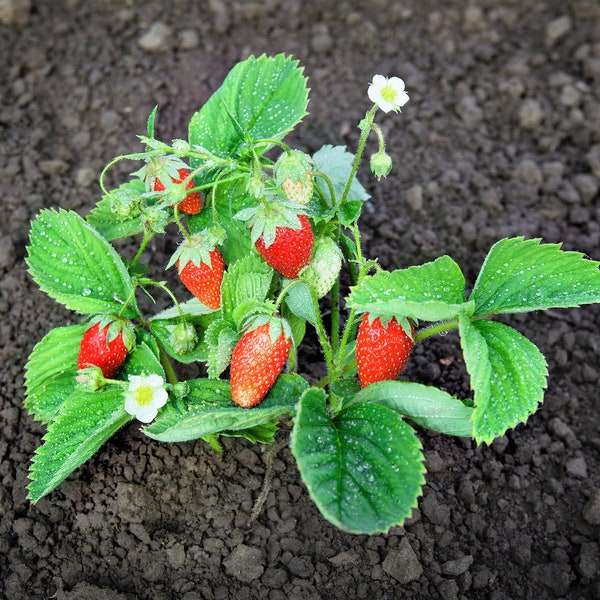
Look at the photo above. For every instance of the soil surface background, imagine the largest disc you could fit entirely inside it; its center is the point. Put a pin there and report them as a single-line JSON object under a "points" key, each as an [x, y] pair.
{"points": [[501, 138]]}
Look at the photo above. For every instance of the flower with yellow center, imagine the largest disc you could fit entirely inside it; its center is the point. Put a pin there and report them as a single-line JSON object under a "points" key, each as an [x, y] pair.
{"points": [[388, 94], [144, 396]]}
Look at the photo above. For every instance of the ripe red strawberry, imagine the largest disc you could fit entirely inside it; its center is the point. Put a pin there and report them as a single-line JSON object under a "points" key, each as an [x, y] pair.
{"points": [[204, 279], [98, 348], [192, 203], [256, 363], [381, 351], [291, 250]]}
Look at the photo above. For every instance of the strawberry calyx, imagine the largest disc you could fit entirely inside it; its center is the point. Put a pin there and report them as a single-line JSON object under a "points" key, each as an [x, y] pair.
{"points": [[116, 325], [407, 325], [197, 249], [277, 326], [272, 213]]}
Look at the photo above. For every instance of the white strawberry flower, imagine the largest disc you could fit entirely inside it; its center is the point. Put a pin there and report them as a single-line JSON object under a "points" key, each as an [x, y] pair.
{"points": [[388, 94], [144, 396]]}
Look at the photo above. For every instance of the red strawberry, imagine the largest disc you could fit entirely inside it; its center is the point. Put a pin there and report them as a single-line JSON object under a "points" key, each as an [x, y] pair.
{"points": [[256, 363], [192, 203], [204, 279], [291, 250], [381, 351], [100, 349]]}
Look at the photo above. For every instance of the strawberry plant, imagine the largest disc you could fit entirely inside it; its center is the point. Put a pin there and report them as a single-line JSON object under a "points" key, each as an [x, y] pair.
{"points": [[270, 245]]}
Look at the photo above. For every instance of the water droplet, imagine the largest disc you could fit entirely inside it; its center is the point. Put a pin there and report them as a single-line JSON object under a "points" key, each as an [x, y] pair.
{"points": [[86, 292]]}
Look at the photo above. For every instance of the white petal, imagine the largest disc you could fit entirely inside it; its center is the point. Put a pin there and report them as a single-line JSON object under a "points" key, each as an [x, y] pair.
{"points": [[160, 398], [402, 98], [131, 405], [135, 381], [145, 414], [397, 84], [385, 106], [379, 81], [154, 380]]}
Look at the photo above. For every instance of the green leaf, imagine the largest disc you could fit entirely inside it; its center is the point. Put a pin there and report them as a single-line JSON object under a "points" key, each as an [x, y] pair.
{"points": [[434, 291], [299, 300], [520, 275], [76, 266], [247, 279], [221, 338], [84, 422], [51, 370], [143, 359], [230, 198], [193, 309], [208, 409], [508, 376], [111, 226], [427, 406], [266, 96], [364, 469], [336, 162]]}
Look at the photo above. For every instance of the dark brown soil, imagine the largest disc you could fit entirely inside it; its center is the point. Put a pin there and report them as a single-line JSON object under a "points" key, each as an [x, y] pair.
{"points": [[501, 138]]}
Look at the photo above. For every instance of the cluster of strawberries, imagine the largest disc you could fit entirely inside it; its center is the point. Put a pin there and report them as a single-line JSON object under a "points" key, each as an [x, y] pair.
{"points": [[284, 238]]}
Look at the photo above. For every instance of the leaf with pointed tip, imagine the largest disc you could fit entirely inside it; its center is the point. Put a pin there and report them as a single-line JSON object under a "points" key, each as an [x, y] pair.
{"points": [[434, 291], [84, 422], [51, 370], [363, 469], [521, 275], [263, 98], [76, 266], [426, 405], [508, 376]]}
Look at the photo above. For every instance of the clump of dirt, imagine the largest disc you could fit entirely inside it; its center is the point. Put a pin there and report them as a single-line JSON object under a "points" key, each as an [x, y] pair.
{"points": [[501, 137]]}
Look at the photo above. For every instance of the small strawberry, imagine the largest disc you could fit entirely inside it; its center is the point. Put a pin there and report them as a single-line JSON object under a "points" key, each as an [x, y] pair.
{"points": [[381, 350], [257, 361], [200, 265], [292, 173], [324, 267], [105, 345], [192, 203], [291, 249]]}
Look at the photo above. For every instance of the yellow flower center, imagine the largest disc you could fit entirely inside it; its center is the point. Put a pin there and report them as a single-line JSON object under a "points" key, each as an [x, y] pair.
{"points": [[388, 93], [144, 395]]}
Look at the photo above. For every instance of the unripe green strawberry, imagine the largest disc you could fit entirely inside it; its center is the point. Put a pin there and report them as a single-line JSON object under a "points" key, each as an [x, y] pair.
{"points": [[324, 267], [291, 250], [184, 338], [381, 350], [292, 173], [105, 345], [257, 361], [192, 203]]}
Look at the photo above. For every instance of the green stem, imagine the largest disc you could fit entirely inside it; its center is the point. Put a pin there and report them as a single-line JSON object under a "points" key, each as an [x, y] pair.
{"points": [[166, 365], [435, 329], [365, 130], [331, 201], [322, 334], [147, 237]]}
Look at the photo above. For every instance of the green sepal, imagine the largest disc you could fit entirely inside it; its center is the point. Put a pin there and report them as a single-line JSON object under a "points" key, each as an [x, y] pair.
{"points": [[363, 468], [119, 214]]}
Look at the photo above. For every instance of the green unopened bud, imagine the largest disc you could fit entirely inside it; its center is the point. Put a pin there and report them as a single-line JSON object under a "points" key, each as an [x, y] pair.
{"points": [[155, 219], [381, 164], [184, 338], [92, 378]]}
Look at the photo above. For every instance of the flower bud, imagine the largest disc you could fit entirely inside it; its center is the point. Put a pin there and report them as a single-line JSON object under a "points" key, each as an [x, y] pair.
{"points": [[381, 164]]}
